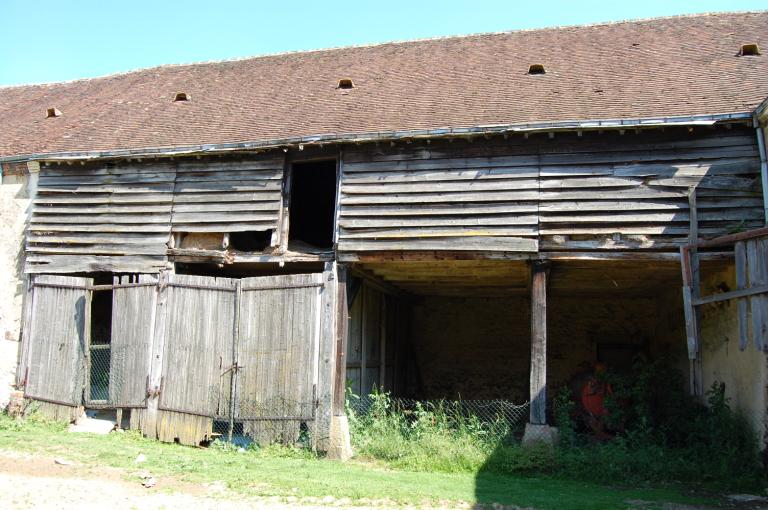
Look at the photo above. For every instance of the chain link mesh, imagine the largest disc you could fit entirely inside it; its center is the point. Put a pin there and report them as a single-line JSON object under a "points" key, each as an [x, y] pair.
{"points": [[486, 412], [105, 377]]}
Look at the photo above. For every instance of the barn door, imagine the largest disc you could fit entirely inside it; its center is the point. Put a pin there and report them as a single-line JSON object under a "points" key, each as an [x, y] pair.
{"points": [[277, 355], [199, 340], [133, 310], [57, 339]]}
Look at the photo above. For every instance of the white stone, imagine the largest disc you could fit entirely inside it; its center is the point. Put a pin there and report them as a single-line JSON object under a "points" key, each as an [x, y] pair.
{"points": [[88, 422]]}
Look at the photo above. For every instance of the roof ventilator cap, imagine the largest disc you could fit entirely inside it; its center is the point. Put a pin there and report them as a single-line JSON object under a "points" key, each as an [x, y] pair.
{"points": [[345, 84], [750, 49], [52, 112], [181, 96], [536, 69]]}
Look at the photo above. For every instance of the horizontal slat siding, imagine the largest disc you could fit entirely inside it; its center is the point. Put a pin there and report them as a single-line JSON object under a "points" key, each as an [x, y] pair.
{"points": [[119, 217], [227, 196], [459, 203], [599, 191], [101, 218]]}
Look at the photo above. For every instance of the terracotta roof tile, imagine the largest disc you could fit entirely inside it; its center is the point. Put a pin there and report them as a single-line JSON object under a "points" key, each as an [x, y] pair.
{"points": [[661, 67]]}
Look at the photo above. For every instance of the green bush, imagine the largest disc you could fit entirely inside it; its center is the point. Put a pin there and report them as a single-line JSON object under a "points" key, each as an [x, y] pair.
{"points": [[665, 437]]}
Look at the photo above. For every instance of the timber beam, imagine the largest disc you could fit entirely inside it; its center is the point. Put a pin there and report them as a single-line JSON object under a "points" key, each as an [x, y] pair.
{"points": [[538, 375]]}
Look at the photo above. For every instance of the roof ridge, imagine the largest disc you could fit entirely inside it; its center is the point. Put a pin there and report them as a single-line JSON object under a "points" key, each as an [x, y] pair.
{"points": [[377, 44]]}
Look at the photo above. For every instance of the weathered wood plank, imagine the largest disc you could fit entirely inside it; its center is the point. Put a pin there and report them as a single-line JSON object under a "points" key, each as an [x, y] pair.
{"points": [[430, 232], [131, 343], [461, 209], [455, 243], [436, 221], [416, 176], [87, 264], [58, 339], [538, 375], [740, 254], [757, 252], [466, 186]]}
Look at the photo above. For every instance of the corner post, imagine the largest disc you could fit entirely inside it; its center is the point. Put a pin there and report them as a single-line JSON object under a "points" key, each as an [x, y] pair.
{"points": [[340, 447]]}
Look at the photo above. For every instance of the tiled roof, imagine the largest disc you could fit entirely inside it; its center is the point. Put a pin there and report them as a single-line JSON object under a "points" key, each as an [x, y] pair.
{"points": [[675, 66]]}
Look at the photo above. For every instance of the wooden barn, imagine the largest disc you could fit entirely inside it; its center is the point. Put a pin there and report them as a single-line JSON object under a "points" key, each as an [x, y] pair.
{"points": [[233, 243]]}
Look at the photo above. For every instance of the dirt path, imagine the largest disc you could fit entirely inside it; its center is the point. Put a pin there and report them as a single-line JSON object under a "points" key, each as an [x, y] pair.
{"points": [[28, 482], [35, 482]]}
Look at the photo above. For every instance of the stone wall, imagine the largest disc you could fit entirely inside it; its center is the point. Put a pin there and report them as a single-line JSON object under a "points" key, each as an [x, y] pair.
{"points": [[743, 372], [480, 347], [17, 188]]}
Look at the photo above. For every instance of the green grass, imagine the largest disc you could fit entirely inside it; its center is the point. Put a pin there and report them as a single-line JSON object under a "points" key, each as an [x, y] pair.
{"points": [[281, 471]]}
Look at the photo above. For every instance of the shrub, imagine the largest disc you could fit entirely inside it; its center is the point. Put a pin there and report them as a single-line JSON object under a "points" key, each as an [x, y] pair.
{"points": [[666, 436]]}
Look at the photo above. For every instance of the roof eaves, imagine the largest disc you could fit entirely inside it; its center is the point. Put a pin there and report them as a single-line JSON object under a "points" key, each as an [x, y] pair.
{"points": [[339, 138], [761, 111]]}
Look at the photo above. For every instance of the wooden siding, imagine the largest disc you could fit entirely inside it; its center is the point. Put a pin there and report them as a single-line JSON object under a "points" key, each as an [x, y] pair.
{"points": [[101, 217], [119, 217], [133, 312], [57, 340], [227, 196], [369, 336], [599, 191], [278, 351], [198, 345]]}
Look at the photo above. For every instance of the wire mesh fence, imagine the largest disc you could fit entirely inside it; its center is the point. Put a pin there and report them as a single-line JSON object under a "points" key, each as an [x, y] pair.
{"points": [[484, 413]]}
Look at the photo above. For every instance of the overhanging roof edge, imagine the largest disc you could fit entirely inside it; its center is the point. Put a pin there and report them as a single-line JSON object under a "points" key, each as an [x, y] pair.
{"points": [[333, 138]]}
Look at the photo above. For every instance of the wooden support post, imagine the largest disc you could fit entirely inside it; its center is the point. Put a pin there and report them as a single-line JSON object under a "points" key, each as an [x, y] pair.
{"points": [[342, 328], [149, 425], [694, 321], [539, 271], [26, 334], [285, 208], [326, 373]]}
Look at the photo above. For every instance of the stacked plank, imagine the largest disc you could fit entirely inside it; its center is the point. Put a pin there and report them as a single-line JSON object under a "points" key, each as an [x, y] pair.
{"points": [[101, 217], [567, 192], [227, 195], [459, 197], [119, 217]]}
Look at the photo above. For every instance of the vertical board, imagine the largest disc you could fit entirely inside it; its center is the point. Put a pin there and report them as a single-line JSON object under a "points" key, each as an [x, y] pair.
{"points": [[279, 326], [355, 344], [757, 250], [740, 254], [132, 312], [371, 339], [57, 339], [199, 336]]}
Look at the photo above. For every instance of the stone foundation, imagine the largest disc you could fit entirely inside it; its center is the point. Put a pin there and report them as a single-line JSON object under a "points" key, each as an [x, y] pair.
{"points": [[540, 434], [339, 446]]}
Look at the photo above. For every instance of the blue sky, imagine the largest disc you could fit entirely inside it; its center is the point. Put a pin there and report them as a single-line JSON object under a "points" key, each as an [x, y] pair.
{"points": [[56, 40]]}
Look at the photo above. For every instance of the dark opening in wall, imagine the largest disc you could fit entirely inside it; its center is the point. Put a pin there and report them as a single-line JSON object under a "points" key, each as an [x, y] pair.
{"points": [[250, 241], [312, 205], [100, 347]]}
